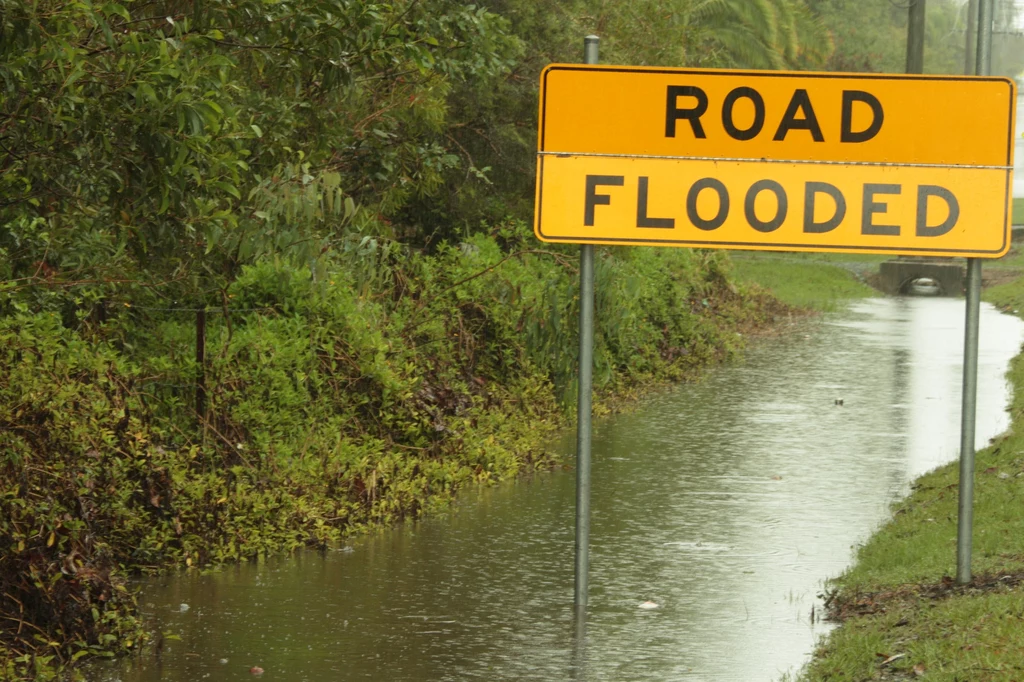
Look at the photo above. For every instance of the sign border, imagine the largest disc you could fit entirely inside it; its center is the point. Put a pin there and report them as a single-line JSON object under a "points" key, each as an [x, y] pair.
{"points": [[543, 151], [551, 68]]}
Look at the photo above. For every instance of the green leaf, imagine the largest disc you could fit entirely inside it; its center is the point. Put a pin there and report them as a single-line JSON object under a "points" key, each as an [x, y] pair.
{"points": [[145, 92], [119, 10], [195, 121], [229, 188], [77, 73]]}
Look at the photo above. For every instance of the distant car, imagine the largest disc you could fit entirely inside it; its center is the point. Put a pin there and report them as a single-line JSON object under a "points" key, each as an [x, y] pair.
{"points": [[924, 286]]}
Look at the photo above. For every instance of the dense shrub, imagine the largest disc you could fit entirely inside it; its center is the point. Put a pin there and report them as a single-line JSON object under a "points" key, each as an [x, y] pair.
{"points": [[331, 403]]}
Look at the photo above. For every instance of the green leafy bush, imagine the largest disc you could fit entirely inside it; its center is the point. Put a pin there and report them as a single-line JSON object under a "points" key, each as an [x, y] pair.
{"points": [[331, 403]]}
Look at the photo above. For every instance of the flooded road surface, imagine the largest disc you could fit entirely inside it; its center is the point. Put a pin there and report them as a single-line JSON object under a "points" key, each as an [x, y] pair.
{"points": [[727, 503]]}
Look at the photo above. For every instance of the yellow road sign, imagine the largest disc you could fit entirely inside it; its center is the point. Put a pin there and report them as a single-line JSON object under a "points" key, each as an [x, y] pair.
{"points": [[682, 139]]}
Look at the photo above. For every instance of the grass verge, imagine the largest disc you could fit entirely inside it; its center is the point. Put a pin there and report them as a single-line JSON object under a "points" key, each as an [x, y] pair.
{"points": [[902, 616], [806, 280]]}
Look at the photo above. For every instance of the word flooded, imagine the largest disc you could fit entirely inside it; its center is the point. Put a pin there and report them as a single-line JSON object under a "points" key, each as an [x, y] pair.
{"points": [[757, 205], [872, 206]]}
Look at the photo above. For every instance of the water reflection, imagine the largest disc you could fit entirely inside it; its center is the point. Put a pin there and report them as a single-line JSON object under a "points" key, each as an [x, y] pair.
{"points": [[726, 502]]}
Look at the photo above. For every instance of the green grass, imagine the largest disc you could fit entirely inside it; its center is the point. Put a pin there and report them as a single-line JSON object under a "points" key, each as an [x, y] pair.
{"points": [[1008, 296], [801, 281], [1018, 212], [977, 637], [1014, 260], [919, 544], [976, 633]]}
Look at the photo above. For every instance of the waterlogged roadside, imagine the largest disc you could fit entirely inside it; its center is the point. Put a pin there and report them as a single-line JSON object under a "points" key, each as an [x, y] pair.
{"points": [[902, 615], [334, 406], [181, 507], [724, 501]]}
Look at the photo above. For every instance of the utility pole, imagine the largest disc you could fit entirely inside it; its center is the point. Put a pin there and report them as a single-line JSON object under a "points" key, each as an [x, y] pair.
{"points": [[915, 37]]}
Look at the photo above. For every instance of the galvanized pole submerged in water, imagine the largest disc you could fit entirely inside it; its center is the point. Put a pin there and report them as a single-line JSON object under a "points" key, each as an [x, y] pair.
{"points": [[965, 513], [583, 409]]}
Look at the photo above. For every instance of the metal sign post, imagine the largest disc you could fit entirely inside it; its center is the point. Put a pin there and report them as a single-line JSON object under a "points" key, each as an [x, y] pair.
{"points": [[915, 36], [965, 515], [583, 404], [972, 37]]}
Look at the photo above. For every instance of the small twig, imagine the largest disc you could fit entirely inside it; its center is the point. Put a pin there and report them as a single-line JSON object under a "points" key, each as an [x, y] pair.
{"points": [[21, 622], [229, 43]]}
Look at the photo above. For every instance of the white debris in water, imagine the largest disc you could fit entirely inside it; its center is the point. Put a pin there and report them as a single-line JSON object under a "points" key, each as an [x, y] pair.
{"points": [[183, 608], [649, 605]]}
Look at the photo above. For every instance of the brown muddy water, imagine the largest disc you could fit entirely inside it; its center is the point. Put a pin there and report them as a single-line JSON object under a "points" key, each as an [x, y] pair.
{"points": [[727, 502]]}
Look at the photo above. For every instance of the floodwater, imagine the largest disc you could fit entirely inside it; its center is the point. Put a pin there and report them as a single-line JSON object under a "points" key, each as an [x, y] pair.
{"points": [[727, 502]]}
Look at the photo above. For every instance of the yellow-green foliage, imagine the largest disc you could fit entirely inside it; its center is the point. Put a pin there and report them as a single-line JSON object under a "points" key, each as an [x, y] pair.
{"points": [[365, 393]]}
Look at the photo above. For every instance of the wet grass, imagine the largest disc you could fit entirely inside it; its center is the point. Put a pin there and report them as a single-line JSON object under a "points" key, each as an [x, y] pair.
{"points": [[818, 281], [976, 636], [902, 615], [1008, 296], [1013, 260]]}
